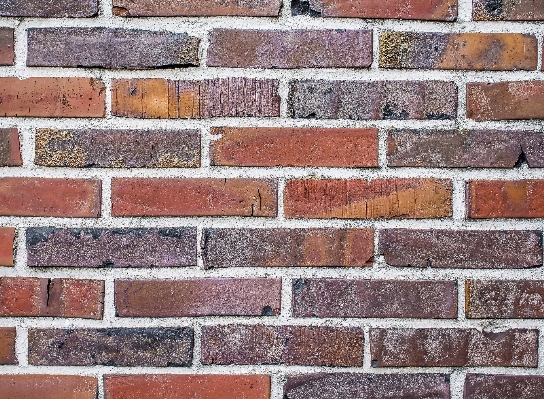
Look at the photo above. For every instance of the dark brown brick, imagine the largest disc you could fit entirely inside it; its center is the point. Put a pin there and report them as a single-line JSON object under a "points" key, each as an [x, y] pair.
{"points": [[33, 386], [110, 48], [448, 347], [481, 386], [47, 8], [154, 347], [361, 100], [472, 249], [196, 8], [287, 247], [7, 51], [198, 297], [10, 152], [165, 247], [288, 345], [518, 10], [7, 345], [374, 298]]}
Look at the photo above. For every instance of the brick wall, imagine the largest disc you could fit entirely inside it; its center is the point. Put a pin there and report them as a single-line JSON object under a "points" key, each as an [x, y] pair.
{"points": [[263, 199]]}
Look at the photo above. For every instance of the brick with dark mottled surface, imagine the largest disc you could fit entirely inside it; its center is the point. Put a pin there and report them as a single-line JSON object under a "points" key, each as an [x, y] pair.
{"points": [[7, 50], [490, 386], [7, 345], [10, 152], [501, 10], [34, 386], [196, 8], [7, 239], [48, 8], [288, 345]]}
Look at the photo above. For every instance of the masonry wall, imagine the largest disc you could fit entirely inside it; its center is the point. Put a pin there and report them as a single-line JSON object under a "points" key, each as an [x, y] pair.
{"points": [[265, 199]]}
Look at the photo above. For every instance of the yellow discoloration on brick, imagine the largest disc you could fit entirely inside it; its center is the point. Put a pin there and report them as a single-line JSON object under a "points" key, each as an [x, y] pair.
{"points": [[74, 157], [394, 48], [172, 161]]}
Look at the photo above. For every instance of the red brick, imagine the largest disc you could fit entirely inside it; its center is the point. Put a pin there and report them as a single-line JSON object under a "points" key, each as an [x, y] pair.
{"points": [[34, 386], [443, 347], [40, 297], [7, 52], [7, 345], [287, 345], [198, 297], [196, 8], [53, 97], [519, 10], [162, 386], [276, 146], [481, 386], [7, 238], [10, 152], [194, 197], [505, 199], [505, 100], [30, 196], [360, 199], [47, 8]]}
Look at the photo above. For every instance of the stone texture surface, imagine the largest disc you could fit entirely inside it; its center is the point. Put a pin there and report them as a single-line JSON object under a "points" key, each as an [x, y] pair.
{"points": [[471, 249], [287, 247], [500, 10], [481, 386], [7, 50], [374, 298], [7, 345], [194, 8], [288, 345], [154, 347], [47, 8], [33, 386], [198, 297], [10, 153], [7, 238], [136, 247]]}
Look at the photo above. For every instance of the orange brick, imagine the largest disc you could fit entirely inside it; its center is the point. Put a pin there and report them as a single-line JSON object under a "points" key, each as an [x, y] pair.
{"points": [[34, 386], [7, 237]]}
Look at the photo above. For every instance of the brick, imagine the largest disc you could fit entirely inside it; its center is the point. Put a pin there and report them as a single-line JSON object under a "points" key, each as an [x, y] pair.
{"points": [[505, 199], [194, 197], [367, 386], [110, 48], [10, 153], [196, 8], [481, 386], [32, 386], [130, 247], [7, 52], [519, 10], [7, 345], [149, 386], [361, 199], [360, 100], [374, 298], [287, 247], [503, 299], [287, 345], [47, 8], [53, 97], [198, 297], [461, 51], [505, 100], [470, 249], [58, 297], [34, 196], [7, 240], [448, 347], [154, 347], [465, 148], [236, 48], [118, 148], [277, 146], [227, 97], [431, 10]]}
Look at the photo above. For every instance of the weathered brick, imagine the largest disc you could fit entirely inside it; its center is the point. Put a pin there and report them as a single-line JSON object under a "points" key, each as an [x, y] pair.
{"points": [[288, 345], [505, 199], [367, 386], [47, 8], [287, 247], [374, 298], [194, 197], [464, 51], [161, 98], [110, 48], [118, 148], [7, 345], [433, 10], [53, 97], [471, 249], [155, 347], [448, 347], [465, 148], [236, 48], [504, 299], [7, 51], [198, 297], [361, 199], [498, 10], [196, 8], [31, 386], [164, 247], [277, 146], [42, 297], [505, 100], [32, 196], [360, 100], [149, 386], [481, 386], [7, 238], [10, 152]]}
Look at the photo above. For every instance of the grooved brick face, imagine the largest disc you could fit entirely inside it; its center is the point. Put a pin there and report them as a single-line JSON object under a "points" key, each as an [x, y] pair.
{"points": [[10, 153], [7, 345], [151, 8], [7, 237], [519, 10], [46, 8], [48, 386], [481, 386], [7, 52]]}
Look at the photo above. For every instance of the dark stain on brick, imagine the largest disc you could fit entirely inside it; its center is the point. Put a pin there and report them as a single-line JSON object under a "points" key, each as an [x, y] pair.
{"points": [[494, 7], [301, 7]]}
